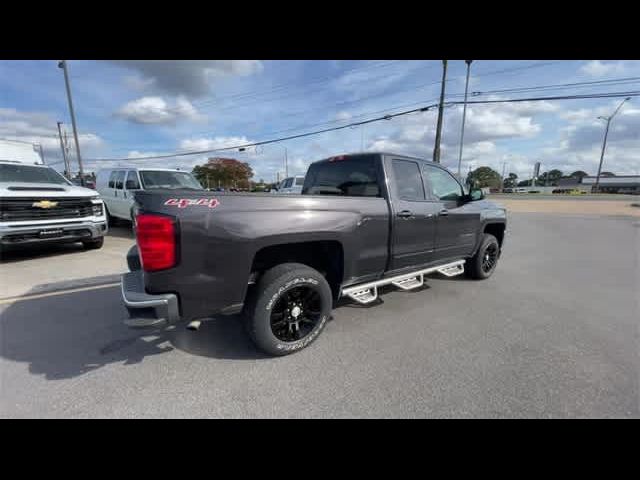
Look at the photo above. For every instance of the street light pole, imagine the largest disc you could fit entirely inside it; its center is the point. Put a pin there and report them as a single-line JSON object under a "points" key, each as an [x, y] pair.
{"points": [[63, 66], [436, 148], [464, 114], [604, 142]]}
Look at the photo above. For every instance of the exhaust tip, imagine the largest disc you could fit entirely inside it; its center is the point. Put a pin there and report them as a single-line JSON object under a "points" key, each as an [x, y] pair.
{"points": [[194, 326]]}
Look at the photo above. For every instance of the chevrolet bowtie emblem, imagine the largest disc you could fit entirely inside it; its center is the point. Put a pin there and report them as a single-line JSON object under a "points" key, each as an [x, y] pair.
{"points": [[44, 204]]}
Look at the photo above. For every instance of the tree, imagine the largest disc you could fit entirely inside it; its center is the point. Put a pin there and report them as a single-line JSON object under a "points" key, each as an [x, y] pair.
{"points": [[224, 172], [579, 174], [483, 177], [550, 178], [510, 181]]}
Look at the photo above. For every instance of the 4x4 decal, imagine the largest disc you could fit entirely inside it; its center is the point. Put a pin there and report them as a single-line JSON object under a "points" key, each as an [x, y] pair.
{"points": [[188, 202]]}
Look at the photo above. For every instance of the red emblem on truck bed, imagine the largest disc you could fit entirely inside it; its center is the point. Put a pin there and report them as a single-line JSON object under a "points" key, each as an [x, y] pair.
{"points": [[188, 202]]}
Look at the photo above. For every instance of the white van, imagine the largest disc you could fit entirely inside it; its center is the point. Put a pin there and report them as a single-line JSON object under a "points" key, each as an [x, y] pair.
{"points": [[291, 185], [117, 186]]}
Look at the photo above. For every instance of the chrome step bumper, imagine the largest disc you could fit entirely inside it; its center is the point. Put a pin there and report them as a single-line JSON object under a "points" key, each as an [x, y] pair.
{"points": [[146, 310]]}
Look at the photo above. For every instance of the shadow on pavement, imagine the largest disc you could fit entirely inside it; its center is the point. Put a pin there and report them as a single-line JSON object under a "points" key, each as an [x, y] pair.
{"points": [[122, 230], [43, 250], [72, 333]]}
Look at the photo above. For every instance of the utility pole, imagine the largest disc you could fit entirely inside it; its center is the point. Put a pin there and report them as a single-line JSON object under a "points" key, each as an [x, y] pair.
{"points": [[464, 114], [436, 149], [604, 142], [63, 66], [64, 153], [286, 166], [504, 165]]}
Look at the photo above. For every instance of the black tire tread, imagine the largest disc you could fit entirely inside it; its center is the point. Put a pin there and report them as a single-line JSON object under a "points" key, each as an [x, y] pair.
{"points": [[275, 276], [474, 264]]}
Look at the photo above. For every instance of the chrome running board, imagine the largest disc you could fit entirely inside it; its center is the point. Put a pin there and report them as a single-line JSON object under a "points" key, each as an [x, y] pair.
{"points": [[368, 292]]}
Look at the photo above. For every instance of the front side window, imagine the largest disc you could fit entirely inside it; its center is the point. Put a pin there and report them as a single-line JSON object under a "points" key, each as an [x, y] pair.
{"points": [[408, 180], [288, 182], [132, 181], [443, 185]]}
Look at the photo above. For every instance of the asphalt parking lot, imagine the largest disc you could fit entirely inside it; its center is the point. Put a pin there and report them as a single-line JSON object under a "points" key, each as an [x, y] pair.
{"points": [[554, 333]]}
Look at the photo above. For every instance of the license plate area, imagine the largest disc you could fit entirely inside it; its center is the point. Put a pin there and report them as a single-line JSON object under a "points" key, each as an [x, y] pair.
{"points": [[51, 233]]}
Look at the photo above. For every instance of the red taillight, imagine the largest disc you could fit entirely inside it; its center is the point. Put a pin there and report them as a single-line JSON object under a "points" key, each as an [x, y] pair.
{"points": [[156, 236]]}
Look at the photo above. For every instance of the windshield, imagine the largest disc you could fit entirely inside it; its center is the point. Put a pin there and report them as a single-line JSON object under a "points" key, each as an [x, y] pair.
{"points": [[28, 174], [164, 179]]}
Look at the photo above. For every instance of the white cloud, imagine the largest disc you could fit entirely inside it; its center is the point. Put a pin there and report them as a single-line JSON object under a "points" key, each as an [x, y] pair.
{"points": [[596, 68], [41, 128], [343, 115], [197, 144], [156, 110]]}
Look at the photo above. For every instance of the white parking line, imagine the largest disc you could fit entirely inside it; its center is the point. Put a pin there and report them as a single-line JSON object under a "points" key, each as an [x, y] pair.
{"points": [[56, 293]]}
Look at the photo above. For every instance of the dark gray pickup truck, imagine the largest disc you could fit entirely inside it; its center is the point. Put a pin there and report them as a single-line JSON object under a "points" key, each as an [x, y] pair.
{"points": [[362, 221]]}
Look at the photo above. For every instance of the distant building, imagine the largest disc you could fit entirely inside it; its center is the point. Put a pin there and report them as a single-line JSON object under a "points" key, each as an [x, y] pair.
{"points": [[617, 184]]}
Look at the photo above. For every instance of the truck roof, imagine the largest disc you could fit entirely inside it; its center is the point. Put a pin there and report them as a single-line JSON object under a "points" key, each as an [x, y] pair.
{"points": [[142, 169], [388, 154], [15, 151]]}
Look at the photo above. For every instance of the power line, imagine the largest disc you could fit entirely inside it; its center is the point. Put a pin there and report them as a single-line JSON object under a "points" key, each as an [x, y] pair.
{"points": [[388, 94], [377, 119], [482, 93], [436, 82]]}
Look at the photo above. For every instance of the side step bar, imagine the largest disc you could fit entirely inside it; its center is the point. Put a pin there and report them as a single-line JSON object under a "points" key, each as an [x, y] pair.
{"points": [[368, 292]]}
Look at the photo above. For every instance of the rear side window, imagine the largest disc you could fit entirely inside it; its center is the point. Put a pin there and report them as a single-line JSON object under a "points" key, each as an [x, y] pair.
{"points": [[408, 180], [349, 176], [120, 179], [299, 182], [112, 179]]}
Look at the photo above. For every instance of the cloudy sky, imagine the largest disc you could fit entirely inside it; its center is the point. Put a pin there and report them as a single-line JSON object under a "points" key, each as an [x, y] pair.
{"points": [[129, 109]]}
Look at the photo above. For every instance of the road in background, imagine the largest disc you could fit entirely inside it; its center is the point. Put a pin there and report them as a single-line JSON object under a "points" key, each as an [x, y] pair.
{"points": [[552, 334]]}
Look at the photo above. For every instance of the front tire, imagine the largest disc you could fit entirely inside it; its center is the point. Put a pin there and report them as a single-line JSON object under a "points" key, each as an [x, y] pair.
{"points": [[93, 244], [288, 309], [484, 262]]}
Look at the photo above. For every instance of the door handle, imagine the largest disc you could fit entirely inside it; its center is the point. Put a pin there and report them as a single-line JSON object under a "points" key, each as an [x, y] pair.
{"points": [[443, 213], [405, 214]]}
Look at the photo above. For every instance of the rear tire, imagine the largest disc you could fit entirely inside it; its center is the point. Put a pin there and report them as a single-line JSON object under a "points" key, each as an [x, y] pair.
{"points": [[482, 265], [288, 309], [93, 244]]}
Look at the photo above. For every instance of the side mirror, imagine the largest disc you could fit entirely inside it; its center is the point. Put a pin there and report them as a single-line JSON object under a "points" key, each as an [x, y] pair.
{"points": [[476, 194]]}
